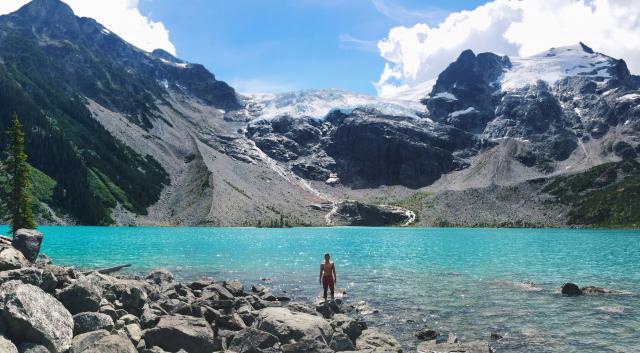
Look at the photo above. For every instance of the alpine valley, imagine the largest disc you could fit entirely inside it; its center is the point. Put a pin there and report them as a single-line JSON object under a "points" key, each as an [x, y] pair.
{"points": [[117, 135]]}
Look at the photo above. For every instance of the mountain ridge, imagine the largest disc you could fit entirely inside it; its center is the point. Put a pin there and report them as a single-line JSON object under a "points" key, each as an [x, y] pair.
{"points": [[151, 139]]}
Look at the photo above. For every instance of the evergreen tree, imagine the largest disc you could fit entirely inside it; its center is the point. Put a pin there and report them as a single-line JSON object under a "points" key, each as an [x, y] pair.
{"points": [[17, 199]]}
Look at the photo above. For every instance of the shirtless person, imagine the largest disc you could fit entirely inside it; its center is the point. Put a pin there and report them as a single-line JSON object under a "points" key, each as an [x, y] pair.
{"points": [[328, 275]]}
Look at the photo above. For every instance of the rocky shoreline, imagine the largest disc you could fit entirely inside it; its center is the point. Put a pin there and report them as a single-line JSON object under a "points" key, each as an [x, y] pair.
{"points": [[45, 308]]}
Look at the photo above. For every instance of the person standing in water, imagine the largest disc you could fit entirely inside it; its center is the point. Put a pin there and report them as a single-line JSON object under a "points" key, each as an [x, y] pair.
{"points": [[328, 275]]}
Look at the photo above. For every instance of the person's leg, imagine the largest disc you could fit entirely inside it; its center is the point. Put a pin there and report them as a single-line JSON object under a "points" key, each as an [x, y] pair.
{"points": [[332, 288], [325, 287]]}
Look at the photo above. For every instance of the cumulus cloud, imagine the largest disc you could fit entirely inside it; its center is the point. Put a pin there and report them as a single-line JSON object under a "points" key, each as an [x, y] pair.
{"points": [[418, 54], [122, 17]]}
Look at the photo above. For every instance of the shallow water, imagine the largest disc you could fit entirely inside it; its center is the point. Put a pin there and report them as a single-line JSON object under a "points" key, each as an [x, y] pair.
{"points": [[470, 282]]}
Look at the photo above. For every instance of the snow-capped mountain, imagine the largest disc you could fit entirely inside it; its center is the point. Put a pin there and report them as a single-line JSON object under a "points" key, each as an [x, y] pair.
{"points": [[558, 107], [555, 64], [131, 137]]}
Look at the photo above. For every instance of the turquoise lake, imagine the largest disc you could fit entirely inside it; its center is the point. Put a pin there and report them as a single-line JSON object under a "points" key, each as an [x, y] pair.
{"points": [[465, 281]]}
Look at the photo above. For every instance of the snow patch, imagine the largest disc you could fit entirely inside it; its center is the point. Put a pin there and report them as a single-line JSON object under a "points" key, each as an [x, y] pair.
{"points": [[105, 31], [182, 65], [555, 64], [462, 112], [445, 95], [628, 97]]}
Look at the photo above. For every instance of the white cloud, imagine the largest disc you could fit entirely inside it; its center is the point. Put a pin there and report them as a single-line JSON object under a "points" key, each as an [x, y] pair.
{"points": [[120, 16], [417, 54]]}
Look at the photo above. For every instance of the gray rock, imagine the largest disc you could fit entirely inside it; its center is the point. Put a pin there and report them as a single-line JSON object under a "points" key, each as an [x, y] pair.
{"points": [[134, 332], [252, 340], [133, 299], [288, 325], [42, 278], [160, 276], [7, 346], [235, 287], [426, 335], [358, 213], [306, 345], [43, 260], [341, 342], [148, 318], [570, 289], [11, 259], [27, 241], [83, 341], [129, 319], [32, 348], [159, 350], [221, 291], [349, 325], [328, 308], [230, 320], [302, 308], [593, 290], [469, 347], [80, 297], [182, 332], [34, 316], [89, 321], [105, 343], [376, 340]]}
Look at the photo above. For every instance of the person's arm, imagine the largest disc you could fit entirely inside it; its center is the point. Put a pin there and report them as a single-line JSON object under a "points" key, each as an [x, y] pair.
{"points": [[335, 276], [320, 279]]}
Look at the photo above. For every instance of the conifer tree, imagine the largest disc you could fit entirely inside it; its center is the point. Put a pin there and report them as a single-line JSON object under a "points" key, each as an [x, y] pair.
{"points": [[17, 199]]}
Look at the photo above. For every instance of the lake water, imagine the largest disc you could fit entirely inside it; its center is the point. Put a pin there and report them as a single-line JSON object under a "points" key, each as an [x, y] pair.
{"points": [[463, 281]]}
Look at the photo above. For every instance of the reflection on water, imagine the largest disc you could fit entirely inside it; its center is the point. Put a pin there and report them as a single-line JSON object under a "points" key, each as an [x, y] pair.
{"points": [[470, 282]]}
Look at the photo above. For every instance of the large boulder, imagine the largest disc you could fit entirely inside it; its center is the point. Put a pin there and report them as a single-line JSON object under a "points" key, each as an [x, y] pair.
{"points": [[176, 332], [28, 242], [80, 297], [288, 325], [160, 276], [340, 342], [43, 278], [102, 342], [235, 287], [570, 289], [350, 326], [252, 340], [7, 346], [32, 315], [376, 340], [133, 299], [11, 259], [89, 321]]}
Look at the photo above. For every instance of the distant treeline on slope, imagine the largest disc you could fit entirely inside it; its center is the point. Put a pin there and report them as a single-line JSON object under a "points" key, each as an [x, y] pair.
{"points": [[607, 195], [92, 171]]}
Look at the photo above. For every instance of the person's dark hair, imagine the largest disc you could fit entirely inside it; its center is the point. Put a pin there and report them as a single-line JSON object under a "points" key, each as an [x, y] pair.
{"points": [[327, 254]]}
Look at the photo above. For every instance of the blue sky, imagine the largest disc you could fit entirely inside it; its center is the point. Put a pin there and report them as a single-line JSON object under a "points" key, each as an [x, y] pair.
{"points": [[280, 45]]}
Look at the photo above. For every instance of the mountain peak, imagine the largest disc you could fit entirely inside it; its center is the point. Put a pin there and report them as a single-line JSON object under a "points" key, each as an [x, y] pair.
{"points": [[46, 9]]}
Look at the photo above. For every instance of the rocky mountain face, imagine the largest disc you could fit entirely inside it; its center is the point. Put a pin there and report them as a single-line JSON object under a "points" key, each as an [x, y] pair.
{"points": [[119, 135]]}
